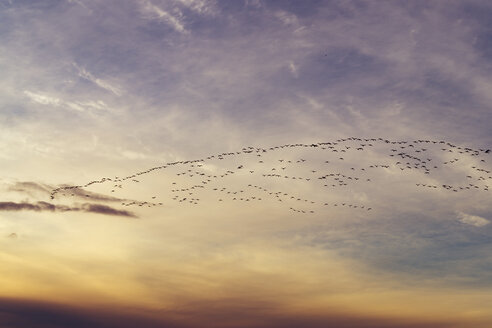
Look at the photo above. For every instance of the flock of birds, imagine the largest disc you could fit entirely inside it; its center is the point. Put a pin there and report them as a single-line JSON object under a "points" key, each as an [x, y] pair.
{"points": [[254, 174]]}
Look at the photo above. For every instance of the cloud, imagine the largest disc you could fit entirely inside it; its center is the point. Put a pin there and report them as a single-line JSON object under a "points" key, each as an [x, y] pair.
{"points": [[78, 2], [34, 314], [153, 12], [473, 220], [80, 106], [30, 188], [203, 7], [287, 18], [83, 73], [253, 3], [41, 206], [43, 99], [89, 195], [293, 69], [106, 210]]}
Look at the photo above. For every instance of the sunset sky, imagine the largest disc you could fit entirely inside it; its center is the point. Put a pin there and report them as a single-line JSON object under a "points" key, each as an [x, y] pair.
{"points": [[245, 163]]}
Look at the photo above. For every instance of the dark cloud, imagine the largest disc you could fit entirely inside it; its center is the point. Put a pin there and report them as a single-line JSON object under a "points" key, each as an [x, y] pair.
{"points": [[107, 210], [88, 195], [44, 206], [20, 314], [29, 186], [11, 206], [13, 235]]}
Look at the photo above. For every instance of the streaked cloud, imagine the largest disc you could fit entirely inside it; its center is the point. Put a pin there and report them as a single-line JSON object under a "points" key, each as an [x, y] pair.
{"points": [[78, 2], [80, 106], [83, 73], [288, 19], [153, 12], [203, 7], [45, 206], [42, 99]]}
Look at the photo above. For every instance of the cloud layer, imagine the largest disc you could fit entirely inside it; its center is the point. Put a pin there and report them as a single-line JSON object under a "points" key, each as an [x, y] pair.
{"points": [[38, 314]]}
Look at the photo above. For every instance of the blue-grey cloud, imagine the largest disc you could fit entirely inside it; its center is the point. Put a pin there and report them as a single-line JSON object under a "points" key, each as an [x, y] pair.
{"points": [[45, 206]]}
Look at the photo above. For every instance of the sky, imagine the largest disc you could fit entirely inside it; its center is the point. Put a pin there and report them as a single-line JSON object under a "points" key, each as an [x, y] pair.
{"points": [[245, 163]]}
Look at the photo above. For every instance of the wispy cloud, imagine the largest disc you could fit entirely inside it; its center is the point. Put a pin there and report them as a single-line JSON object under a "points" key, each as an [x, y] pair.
{"points": [[30, 188], [153, 12], [203, 7], [78, 2], [293, 69], [288, 19], [473, 220], [43, 99], [81, 106], [83, 73]]}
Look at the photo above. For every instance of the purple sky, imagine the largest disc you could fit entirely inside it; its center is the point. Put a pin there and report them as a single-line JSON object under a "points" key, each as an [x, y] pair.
{"points": [[92, 88]]}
